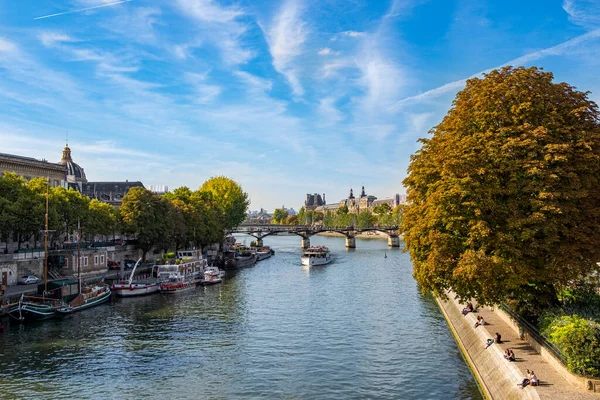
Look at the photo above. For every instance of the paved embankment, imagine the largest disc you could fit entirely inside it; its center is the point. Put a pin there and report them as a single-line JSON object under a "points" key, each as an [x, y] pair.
{"points": [[498, 377]]}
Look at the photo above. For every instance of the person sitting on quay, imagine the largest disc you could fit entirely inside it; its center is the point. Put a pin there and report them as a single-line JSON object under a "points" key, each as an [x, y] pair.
{"points": [[534, 379], [509, 355], [525, 381], [479, 322], [468, 308], [497, 338]]}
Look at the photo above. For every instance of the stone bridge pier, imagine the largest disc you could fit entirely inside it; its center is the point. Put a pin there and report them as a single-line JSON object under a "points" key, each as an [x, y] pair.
{"points": [[305, 242], [259, 238], [350, 242], [393, 241]]}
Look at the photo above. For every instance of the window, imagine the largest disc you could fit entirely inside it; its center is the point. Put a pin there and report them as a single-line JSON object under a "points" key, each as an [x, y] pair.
{"points": [[95, 260], [85, 261], [102, 259]]}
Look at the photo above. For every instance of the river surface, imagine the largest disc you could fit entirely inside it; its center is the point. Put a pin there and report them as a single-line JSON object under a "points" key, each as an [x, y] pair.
{"points": [[354, 329]]}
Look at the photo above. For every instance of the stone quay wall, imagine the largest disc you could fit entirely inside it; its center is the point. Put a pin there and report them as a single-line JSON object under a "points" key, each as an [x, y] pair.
{"points": [[496, 377]]}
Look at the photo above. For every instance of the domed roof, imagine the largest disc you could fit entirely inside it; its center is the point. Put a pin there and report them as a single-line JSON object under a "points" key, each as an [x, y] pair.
{"points": [[74, 172]]}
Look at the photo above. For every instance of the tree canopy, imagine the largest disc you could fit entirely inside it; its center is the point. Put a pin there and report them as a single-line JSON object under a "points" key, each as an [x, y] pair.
{"points": [[503, 198], [229, 197]]}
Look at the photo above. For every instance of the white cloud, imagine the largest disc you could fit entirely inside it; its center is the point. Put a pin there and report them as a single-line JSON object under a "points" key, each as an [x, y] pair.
{"points": [[221, 27], [585, 13], [50, 38], [6, 46], [328, 112], [326, 51], [353, 34], [208, 11], [452, 87], [203, 92], [253, 82], [286, 37]]}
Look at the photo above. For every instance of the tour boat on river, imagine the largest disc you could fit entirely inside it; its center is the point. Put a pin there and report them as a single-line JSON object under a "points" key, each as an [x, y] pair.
{"points": [[129, 288], [180, 277], [317, 255]]}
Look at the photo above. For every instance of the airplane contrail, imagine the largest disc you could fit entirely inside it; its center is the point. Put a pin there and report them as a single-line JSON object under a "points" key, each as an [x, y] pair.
{"points": [[83, 9]]}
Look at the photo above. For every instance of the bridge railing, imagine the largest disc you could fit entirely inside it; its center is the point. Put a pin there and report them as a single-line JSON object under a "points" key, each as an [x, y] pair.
{"points": [[304, 228]]}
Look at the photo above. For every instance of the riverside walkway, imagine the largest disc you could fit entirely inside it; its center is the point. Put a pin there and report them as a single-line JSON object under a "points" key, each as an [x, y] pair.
{"points": [[501, 384]]}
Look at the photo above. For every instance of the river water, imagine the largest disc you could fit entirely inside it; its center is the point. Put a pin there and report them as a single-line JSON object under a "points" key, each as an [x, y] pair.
{"points": [[357, 328]]}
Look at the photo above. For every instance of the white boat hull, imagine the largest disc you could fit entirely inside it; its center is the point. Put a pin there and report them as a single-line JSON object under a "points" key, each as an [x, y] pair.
{"points": [[135, 289], [314, 261]]}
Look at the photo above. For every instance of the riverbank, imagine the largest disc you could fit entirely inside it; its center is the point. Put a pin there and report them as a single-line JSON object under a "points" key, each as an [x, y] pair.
{"points": [[497, 377]]}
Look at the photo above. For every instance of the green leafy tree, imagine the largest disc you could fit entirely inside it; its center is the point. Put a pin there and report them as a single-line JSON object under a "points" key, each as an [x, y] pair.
{"points": [[329, 219], [279, 216], [302, 216], [229, 197], [208, 224], [102, 219], [343, 210], [144, 215], [72, 209], [291, 220], [504, 195], [366, 219]]}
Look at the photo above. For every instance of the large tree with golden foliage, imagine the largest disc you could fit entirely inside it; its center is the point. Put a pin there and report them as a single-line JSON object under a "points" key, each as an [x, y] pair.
{"points": [[505, 195], [229, 198]]}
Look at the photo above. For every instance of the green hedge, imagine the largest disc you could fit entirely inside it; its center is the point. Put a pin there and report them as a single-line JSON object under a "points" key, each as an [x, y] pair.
{"points": [[578, 338]]}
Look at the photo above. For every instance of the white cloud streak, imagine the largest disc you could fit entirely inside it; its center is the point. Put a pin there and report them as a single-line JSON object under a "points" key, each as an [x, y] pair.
{"points": [[83, 9], [285, 38], [558, 50]]}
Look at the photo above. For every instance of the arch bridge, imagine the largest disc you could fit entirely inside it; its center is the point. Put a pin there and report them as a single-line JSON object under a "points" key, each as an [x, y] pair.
{"points": [[259, 232]]}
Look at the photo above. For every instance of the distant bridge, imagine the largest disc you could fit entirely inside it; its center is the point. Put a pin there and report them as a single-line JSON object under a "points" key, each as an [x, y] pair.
{"points": [[259, 232]]}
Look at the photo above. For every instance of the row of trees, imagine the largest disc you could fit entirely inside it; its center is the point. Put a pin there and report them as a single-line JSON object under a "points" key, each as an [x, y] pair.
{"points": [[23, 208], [382, 215], [178, 219]]}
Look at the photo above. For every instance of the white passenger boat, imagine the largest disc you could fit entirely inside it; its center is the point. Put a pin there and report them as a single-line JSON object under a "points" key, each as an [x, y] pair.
{"points": [[129, 288], [317, 255], [179, 277]]}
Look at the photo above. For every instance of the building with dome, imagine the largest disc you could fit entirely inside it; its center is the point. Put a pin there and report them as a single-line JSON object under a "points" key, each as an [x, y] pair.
{"points": [[107, 192], [68, 174], [75, 175]]}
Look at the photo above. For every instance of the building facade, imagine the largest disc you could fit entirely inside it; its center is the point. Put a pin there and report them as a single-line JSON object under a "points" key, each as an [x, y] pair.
{"points": [[30, 168], [355, 205]]}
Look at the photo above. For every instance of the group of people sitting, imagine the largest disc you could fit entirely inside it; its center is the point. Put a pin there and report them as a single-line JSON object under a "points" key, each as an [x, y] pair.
{"points": [[530, 380], [509, 355]]}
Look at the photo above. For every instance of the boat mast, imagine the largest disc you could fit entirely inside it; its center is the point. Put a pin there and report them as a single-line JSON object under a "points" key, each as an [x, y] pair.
{"points": [[46, 245], [78, 257]]}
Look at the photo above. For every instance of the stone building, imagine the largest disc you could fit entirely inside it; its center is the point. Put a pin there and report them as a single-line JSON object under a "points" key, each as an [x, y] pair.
{"points": [[357, 205], [30, 168], [107, 192], [313, 201], [74, 173]]}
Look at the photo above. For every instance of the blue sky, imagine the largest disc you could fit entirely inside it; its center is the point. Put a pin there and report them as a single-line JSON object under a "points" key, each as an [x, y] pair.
{"points": [[286, 97]]}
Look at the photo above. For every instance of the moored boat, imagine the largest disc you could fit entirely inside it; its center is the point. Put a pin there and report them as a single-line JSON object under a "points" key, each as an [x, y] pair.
{"points": [[129, 288], [175, 278], [89, 296], [317, 255], [263, 253], [211, 276], [31, 308]]}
